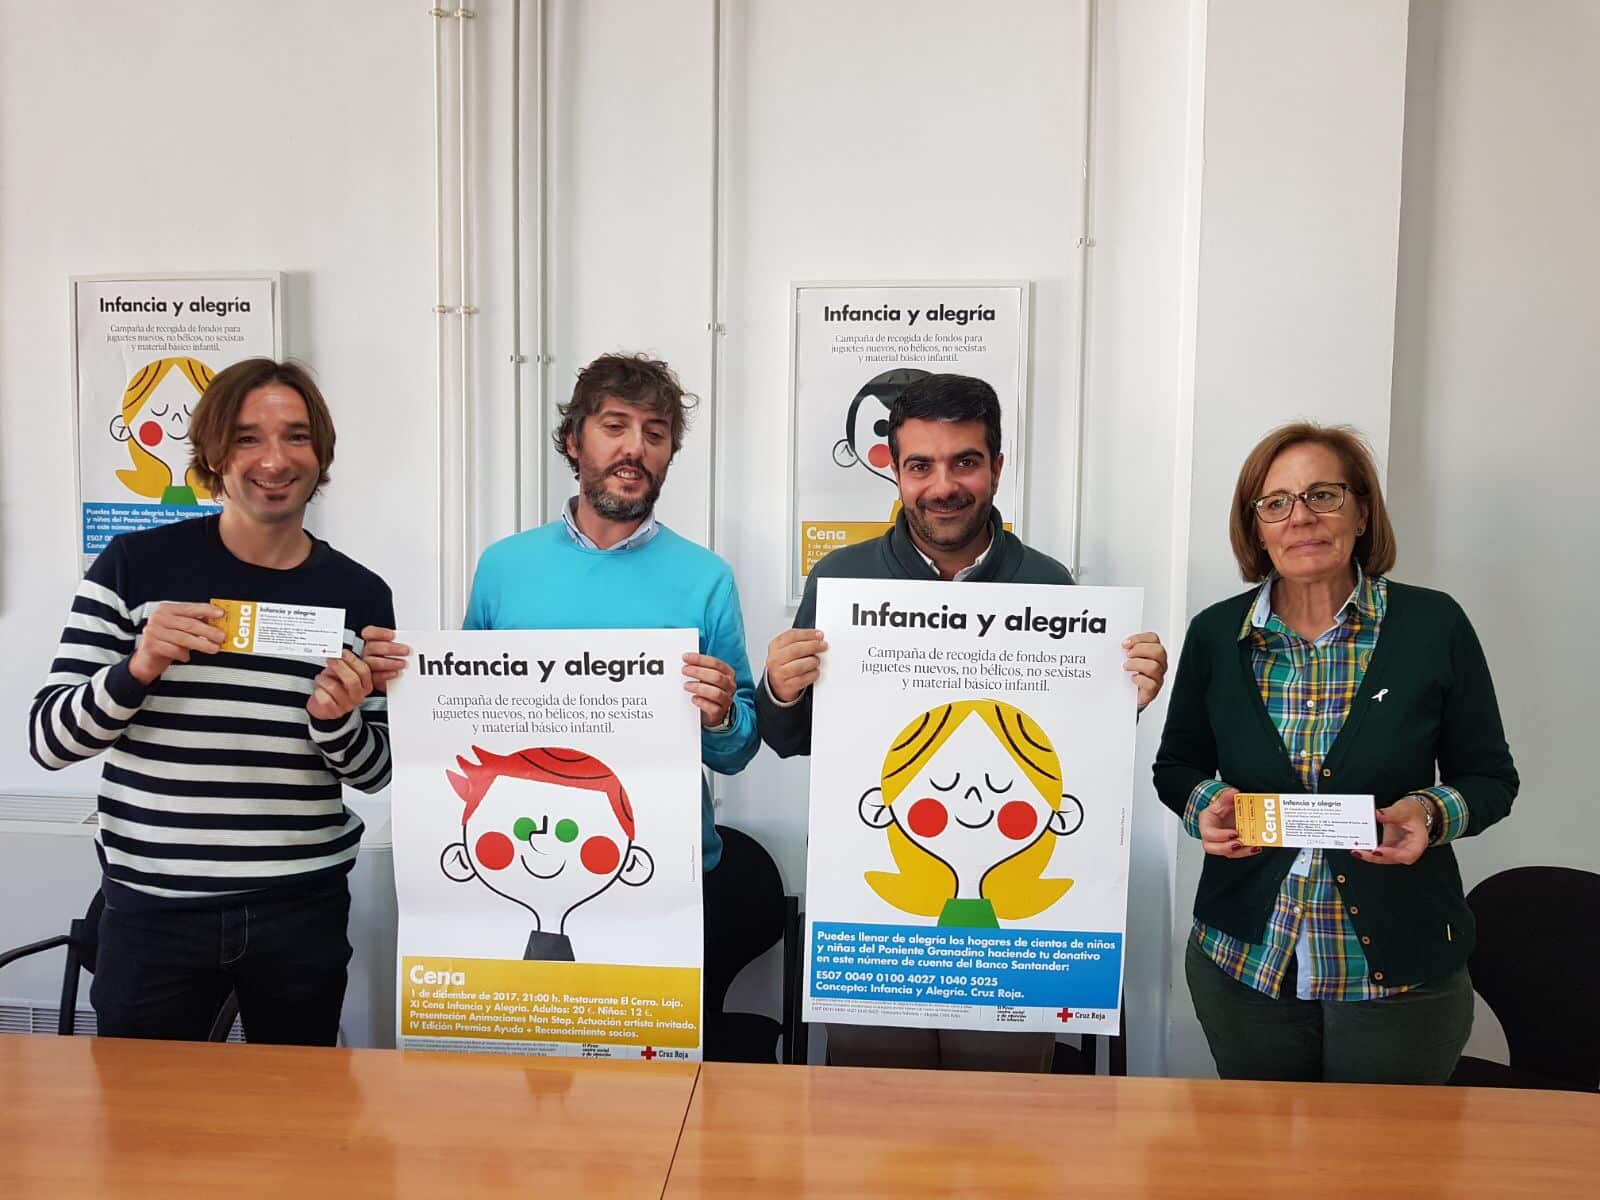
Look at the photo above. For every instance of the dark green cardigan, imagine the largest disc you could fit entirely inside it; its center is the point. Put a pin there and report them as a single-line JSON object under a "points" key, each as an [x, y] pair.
{"points": [[1438, 708]]}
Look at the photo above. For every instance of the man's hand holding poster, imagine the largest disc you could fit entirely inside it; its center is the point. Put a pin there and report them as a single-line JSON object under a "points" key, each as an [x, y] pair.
{"points": [[971, 787], [547, 843]]}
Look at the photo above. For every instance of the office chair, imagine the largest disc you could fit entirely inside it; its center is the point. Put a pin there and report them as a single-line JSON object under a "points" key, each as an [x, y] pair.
{"points": [[82, 942], [762, 917], [1537, 966]]}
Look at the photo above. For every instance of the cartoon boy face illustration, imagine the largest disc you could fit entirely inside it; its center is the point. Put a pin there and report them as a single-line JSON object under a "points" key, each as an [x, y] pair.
{"points": [[971, 795], [154, 424], [549, 829], [866, 424]]}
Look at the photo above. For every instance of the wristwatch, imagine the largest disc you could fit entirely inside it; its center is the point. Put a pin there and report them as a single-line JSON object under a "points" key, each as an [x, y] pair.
{"points": [[1427, 812]]}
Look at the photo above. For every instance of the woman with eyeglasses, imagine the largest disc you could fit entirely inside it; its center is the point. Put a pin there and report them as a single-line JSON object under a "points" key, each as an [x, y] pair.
{"points": [[1326, 676]]}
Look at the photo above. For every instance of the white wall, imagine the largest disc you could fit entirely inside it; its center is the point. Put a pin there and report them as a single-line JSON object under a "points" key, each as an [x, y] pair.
{"points": [[1148, 59], [1294, 292], [200, 136], [1492, 477]]}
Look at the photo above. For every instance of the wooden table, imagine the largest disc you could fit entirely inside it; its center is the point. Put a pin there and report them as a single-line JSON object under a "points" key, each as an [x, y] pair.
{"points": [[788, 1131], [107, 1117]]}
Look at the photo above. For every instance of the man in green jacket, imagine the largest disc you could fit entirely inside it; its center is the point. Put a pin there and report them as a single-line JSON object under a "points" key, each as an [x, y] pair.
{"points": [[944, 443]]}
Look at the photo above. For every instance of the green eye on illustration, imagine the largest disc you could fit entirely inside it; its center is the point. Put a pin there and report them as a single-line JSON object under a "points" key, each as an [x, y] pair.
{"points": [[567, 830], [526, 827]]}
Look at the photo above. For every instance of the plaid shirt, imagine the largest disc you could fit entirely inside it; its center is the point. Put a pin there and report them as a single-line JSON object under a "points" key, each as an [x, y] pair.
{"points": [[1308, 687]]}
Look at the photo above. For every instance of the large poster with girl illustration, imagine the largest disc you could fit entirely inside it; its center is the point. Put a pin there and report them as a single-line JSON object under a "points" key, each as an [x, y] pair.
{"points": [[546, 816], [971, 788], [145, 350]]}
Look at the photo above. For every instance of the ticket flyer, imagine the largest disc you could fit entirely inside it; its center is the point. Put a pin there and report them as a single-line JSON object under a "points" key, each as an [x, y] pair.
{"points": [[1320, 821], [302, 630]]}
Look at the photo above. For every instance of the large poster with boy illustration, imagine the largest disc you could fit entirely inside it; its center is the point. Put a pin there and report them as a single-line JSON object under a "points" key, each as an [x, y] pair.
{"points": [[971, 788], [145, 351], [546, 814]]}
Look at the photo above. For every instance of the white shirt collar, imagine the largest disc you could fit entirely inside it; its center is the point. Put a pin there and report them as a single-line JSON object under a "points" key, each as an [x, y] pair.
{"points": [[1262, 612], [648, 528], [965, 571]]}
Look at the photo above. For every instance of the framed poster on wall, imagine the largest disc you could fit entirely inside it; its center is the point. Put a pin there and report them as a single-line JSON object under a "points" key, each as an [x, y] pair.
{"points": [[854, 347], [144, 349]]}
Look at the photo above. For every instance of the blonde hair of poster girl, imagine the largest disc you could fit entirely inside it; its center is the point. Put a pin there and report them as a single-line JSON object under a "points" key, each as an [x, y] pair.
{"points": [[150, 476], [1015, 887]]}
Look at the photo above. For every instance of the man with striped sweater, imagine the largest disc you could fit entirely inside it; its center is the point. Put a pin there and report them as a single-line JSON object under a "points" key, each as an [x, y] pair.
{"points": [[224, 840]]}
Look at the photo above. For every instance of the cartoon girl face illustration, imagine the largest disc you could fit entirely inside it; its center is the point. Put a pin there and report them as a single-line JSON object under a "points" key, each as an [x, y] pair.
{"points": [[866, 425], [154, 424], [971, 797], [548, 828]]}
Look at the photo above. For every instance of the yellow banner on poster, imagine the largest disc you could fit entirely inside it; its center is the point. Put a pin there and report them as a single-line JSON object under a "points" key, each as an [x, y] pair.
{"points": [[516, 1000], [818, 539]]}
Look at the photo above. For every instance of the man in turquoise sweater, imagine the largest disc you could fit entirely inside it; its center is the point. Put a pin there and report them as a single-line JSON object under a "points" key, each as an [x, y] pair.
{"points": [[607, 563]]}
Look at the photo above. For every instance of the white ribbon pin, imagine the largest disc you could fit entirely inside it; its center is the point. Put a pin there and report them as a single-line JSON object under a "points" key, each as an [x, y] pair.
{"points": [[1382, 692]]}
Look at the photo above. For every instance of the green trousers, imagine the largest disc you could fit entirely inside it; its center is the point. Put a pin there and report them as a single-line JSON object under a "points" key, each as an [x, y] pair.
{"points": [[1413, 1037]]}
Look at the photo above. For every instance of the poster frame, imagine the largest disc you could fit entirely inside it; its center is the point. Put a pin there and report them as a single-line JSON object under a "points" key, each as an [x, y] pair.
{"points": [[1016, 465], [275, 278]]}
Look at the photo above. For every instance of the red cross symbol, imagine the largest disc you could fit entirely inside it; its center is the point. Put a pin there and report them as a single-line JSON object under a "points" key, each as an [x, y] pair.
{"points": [[648, 1054], [1064, 1015]]}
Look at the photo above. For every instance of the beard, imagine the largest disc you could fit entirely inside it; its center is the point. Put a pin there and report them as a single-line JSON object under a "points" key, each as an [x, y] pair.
{"points": [[951, 537], [592, 482]]}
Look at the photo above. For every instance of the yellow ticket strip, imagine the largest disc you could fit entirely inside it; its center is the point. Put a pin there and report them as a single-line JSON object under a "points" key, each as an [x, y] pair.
{"points": [[505, 1000]]}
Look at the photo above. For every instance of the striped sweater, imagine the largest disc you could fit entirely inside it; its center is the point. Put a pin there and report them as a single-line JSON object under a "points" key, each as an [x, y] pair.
{"points": [[216, 780]]}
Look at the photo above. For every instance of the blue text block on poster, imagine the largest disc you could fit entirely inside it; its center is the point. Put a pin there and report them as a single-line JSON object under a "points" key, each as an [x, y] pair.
{"points": [[1031, 968], [102, 522]]}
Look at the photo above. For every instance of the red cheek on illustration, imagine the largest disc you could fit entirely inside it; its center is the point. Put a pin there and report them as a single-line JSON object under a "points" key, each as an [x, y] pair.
{"points": [[879, 457], [150, 433], [1017, 820], [927, 818], [600, 855], [494, 851]]}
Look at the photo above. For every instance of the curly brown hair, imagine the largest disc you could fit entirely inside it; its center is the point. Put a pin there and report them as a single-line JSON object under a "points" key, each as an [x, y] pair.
{"points": [[635, 379]]}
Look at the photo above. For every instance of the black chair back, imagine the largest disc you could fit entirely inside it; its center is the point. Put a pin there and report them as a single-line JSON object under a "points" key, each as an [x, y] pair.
{"points": [[746, 915], [82, 941], [83, 948], [1537, 965]]}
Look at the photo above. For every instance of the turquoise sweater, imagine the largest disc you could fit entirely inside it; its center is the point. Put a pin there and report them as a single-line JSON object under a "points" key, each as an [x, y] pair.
{"points": [[542, 579]]}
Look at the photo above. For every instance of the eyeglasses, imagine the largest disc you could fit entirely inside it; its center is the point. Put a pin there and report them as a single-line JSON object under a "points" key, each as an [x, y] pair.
{"points": [[1319, 498]]}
